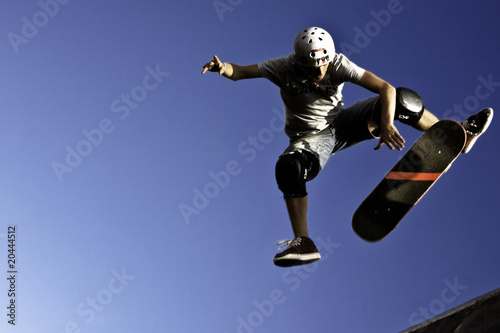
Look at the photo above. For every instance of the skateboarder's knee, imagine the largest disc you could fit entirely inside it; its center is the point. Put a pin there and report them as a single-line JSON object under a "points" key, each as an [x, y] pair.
{"points": [[293, 170], [409, 106]]}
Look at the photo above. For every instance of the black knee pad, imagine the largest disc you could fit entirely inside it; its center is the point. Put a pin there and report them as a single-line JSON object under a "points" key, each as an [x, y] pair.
{"points": [[409, 106], [293, 170]]}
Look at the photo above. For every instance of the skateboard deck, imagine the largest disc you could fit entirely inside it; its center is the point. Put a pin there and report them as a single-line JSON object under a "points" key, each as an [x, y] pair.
{"points": [[409, 180]]}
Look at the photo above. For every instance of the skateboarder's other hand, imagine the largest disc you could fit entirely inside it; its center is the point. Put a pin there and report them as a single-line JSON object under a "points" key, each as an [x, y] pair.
{"points": [[391, 137], [215, 65]]}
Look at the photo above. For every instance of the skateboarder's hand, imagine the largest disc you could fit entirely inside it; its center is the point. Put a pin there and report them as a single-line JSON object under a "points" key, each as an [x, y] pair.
{"points": [[215, 65], [391, 137]]}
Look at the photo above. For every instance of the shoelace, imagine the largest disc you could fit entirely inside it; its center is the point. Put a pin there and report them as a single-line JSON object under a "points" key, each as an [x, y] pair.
{"points": [[288, 243]]}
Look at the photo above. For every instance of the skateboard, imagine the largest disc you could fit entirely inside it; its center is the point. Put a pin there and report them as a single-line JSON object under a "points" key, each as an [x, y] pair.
{"points": [[431, 156]]}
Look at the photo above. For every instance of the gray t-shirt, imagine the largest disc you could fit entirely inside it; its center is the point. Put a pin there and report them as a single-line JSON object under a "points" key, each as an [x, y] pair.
{"points": [[310, 108]]}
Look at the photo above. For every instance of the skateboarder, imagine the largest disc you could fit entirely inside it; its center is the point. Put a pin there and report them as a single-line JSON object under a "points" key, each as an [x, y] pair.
{"points": [[311, 81]]}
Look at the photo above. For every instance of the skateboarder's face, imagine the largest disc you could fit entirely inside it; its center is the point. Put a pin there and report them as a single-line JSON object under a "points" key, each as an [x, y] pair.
{"points": [[317, 73]]}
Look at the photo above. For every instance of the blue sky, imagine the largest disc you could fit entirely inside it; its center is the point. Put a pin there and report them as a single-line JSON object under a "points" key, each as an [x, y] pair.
{"points": [[110, 135]]}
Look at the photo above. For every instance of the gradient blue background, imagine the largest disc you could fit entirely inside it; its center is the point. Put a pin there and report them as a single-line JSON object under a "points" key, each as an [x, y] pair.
{"points": [[119, 210]]}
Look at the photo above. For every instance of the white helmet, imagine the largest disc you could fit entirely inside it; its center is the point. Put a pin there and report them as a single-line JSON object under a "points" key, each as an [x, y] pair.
{"points": [[314, 47]]}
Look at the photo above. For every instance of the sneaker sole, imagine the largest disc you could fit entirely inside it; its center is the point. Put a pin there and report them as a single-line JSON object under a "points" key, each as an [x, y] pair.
{"points": [[296, 259]]}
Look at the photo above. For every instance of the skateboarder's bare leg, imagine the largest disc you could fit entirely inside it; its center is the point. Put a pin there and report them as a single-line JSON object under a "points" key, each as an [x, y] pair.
{"points": [[426, 121], [297, 211], [301, 250]]}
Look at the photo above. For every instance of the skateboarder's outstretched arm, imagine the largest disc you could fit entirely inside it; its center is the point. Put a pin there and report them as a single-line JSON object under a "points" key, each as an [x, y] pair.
{"points": [[231, 71]]}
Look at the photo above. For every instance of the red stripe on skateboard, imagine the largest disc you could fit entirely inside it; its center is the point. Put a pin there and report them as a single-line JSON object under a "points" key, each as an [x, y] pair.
{"points": [[422, 176]]}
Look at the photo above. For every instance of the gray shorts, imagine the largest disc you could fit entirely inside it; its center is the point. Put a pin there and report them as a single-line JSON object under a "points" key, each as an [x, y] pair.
{"points": [[349, 128]]}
